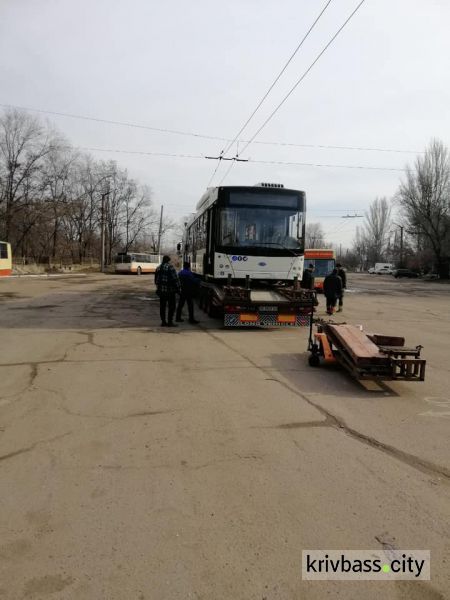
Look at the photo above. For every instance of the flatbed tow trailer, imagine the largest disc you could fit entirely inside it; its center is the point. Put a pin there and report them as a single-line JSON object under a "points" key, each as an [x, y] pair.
{"points": [[365, 355], [242, 306]]}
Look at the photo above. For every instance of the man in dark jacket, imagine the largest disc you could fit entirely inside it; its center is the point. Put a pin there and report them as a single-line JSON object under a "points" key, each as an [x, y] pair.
{"points": [[189, 286], [343, 275], [308, 278], [167, 286], [332, 288]]}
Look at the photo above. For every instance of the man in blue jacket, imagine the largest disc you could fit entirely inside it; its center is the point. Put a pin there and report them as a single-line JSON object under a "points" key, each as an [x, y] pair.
{"points": [[189, 286]]}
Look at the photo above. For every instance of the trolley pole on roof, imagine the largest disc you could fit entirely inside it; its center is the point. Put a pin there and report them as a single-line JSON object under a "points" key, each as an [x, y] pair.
{"points": [[160, 229]]}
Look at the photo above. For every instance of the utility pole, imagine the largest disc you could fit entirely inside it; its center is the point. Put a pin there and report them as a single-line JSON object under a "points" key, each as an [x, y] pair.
{"points": [[160, 228], [102, 234], [401, 245]]}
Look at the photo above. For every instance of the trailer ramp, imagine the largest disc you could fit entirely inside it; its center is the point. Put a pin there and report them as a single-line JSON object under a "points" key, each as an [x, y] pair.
{"points": [[366, 355]]}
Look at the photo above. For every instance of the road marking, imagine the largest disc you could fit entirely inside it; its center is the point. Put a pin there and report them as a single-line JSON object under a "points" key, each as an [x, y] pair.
{"points": [[440, 402], [431, 413]]}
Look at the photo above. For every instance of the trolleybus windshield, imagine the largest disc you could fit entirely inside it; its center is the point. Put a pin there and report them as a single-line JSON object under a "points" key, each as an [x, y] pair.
{"points": [[322, 266], [265, 220]]}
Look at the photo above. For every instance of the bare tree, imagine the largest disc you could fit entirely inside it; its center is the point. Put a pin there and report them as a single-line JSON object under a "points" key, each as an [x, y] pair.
{"points": [[138, 213], [51, 197], [56, 173], [314, 237], [425, 202], [116, 183], [376, 230], [360, 249], [24, 142], [157, 238]]}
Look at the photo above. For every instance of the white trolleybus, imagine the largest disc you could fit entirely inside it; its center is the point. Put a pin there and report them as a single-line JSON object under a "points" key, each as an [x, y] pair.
{"points": [[138, 263], [5, 259], [247, 243]]}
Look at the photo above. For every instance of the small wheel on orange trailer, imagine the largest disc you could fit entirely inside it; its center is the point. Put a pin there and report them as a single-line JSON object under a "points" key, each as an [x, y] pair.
{"points": [[315, 349]]}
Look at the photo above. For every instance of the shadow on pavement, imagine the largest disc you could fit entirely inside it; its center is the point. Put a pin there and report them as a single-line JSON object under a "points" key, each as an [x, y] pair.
{"points": [[329, 380]]}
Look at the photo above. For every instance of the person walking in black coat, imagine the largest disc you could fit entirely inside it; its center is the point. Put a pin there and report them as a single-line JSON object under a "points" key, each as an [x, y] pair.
{"points": [[308, 278], [343, 275], [332, 288]]}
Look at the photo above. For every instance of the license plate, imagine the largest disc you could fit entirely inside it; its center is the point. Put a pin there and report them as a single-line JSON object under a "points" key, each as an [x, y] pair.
{"points": [[248, 318], [267, 309], [286, 318]]}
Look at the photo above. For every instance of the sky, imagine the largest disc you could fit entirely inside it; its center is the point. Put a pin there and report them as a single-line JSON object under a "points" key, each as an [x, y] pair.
{"points": [[201, 67]]}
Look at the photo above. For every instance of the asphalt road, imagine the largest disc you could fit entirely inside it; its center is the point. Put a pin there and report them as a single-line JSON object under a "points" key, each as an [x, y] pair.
{"points": [[140, 463]]}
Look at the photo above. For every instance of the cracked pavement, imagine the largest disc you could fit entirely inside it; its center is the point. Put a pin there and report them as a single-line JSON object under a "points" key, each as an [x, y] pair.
{"points": [[141, 463]]}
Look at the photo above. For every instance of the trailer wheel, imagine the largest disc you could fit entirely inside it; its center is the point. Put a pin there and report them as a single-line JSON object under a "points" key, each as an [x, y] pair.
{"points": [[314, 360], [210, 307]]}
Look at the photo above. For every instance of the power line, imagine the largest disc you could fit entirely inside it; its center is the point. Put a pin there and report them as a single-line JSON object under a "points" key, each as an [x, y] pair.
{"points": [[278, 77], [232, 160], [316, 216], [163, 154], [248, 161], [111, 122], [304, 164], [325, 146], [304, 75], [205, 136]]}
